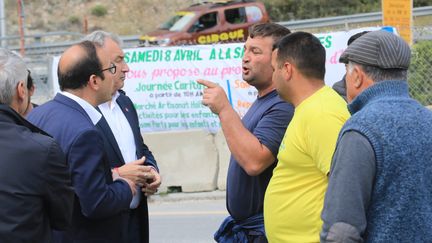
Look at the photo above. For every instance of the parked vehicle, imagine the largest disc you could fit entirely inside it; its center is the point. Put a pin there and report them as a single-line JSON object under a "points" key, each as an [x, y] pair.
{"points": [[208, 22]]}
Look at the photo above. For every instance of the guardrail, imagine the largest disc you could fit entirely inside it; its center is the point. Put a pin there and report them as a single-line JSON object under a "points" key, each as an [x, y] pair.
{"points": [[347, 19], [38, 48]]}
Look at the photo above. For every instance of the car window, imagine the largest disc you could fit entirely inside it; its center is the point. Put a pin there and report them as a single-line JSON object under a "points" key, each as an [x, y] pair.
{"points": [[253, 14], [235, 15], [206, 21], [178, 22]]}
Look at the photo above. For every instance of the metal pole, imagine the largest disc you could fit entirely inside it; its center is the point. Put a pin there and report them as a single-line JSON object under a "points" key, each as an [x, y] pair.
{"points": [[21, 26], [2, 24]]}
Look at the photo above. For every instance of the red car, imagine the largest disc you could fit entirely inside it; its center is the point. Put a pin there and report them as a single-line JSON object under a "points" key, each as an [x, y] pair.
{"points": [[204, 23]]}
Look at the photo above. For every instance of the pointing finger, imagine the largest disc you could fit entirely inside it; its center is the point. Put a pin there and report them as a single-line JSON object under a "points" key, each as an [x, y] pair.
{"points": [[207, 83]]}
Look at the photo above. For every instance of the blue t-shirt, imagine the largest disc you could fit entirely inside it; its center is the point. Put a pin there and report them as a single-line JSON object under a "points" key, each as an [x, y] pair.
{"points": [[267, 119]]}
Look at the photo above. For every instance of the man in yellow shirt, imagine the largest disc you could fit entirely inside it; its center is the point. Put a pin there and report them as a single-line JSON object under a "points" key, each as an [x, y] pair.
{"points": [[294, 198]]}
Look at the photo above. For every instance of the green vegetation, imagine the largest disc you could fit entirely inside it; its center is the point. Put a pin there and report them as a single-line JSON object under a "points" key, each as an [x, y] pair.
{"points": [[74, 19], [284, 10], [99, 10], [420, 78]]}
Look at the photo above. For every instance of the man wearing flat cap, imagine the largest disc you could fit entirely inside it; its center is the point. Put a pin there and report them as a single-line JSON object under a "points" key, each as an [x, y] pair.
{"points": [[380, 186]]}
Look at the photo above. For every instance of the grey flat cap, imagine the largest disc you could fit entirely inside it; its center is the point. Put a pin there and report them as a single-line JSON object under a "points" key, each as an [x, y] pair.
{"points": [[380, 49]]}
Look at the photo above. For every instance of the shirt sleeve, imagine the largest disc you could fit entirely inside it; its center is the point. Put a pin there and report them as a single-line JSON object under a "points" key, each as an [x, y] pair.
{"points": [[322, 132], [349, 190], [272, 126]]}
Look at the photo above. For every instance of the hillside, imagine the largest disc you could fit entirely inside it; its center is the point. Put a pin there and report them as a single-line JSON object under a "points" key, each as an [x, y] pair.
{"points": [[135, 17], [125, 17]]}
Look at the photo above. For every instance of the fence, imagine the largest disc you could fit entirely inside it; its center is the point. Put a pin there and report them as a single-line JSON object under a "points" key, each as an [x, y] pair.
{"points": [[420, 72]]}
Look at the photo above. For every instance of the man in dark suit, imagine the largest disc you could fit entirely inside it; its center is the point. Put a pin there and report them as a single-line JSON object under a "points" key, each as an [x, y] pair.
{"points": [[35, 189], [86, 80], [124, 143]]}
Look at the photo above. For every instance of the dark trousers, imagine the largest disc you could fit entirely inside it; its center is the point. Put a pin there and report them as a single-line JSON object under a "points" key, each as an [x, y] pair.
{"points": [[133, 227], [257, 239]]}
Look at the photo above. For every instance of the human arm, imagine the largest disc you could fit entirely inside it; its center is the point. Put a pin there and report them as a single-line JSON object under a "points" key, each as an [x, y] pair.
{"points": [[250, 149], [98, 197], [349, 190], [59, 194]]}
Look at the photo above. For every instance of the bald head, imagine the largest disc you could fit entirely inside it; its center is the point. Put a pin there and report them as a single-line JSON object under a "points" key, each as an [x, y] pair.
{"points": [[78, 63]]}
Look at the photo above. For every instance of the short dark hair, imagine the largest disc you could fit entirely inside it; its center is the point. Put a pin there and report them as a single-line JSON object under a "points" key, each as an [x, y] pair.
{"points": [[356, 36], [276, 31], [77, 75], [305, 51], [29, 80]]}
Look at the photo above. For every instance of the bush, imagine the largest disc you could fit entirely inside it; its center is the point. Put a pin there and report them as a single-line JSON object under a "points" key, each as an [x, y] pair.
{"points": [[74, 19], [99, 10], [420, 74], [284, 10]]}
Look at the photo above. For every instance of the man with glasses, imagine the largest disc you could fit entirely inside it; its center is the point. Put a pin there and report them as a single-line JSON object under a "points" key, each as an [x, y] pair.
{"points": [[124, 143], [86, 81]]}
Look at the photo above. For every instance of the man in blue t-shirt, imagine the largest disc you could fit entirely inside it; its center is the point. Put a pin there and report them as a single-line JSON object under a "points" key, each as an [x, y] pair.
{"points": [[254, 140]]}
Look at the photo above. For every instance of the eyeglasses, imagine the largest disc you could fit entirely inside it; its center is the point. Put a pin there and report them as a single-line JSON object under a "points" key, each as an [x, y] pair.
{"points": [[112, 69]]}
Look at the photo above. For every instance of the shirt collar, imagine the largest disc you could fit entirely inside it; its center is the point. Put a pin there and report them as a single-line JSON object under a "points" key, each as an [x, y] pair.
{"points": [[112, 103], [91, 111]]}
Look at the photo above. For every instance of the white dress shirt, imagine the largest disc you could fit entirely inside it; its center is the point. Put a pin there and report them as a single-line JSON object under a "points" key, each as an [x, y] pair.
{"points": [[91, 111], [123, 135]]}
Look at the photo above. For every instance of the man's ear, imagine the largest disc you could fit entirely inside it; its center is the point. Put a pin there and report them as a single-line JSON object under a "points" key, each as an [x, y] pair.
{"points": [[361, 80], [288, 70], [93, 82], [358, 76], [21, 91]]}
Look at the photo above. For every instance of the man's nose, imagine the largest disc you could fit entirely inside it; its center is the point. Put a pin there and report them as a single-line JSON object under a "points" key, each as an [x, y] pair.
{"points": [[125, 68], [245, 58]]}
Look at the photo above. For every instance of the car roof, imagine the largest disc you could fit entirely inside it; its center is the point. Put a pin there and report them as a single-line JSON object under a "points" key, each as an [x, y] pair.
{"points": [[206, 5]]}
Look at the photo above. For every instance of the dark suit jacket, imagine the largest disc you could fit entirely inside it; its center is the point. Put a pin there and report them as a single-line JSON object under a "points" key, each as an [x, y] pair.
{"points": [[35, 187], [100, 201], [116, 159], [340, 88]]}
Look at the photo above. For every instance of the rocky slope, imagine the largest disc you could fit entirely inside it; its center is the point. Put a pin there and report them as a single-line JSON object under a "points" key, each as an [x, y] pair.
{"points": [[125, 17]]}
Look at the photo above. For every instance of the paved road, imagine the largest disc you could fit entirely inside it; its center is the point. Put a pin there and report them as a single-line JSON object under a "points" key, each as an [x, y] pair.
{"points": [[185, 221]]}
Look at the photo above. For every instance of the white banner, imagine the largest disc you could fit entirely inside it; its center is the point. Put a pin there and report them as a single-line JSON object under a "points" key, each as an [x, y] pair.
{"points": [[162, 81]]}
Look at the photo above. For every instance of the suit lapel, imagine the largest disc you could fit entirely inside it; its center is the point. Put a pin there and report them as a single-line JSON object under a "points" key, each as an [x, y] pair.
{"points": [[107, 132]]}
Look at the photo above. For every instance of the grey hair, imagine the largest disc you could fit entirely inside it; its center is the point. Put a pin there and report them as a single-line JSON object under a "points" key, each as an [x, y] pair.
{"points": [[12, 70], [99, 37], [379, 74]]}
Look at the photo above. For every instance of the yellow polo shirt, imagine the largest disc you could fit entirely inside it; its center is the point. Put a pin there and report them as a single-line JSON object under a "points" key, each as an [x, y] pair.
{"points": [[295, 195]]}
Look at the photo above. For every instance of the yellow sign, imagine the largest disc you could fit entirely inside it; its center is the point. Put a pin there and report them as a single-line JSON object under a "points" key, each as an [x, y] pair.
{"points": [[398, 13], [224, 36]]}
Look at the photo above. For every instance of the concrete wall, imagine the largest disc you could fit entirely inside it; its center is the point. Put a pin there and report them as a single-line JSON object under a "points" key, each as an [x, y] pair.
{"points": [[224, 157], [193, 160]]}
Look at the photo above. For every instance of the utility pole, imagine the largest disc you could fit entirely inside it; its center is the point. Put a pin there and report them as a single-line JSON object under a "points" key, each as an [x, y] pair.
{"points": [[2, 24], [21, 25]]}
